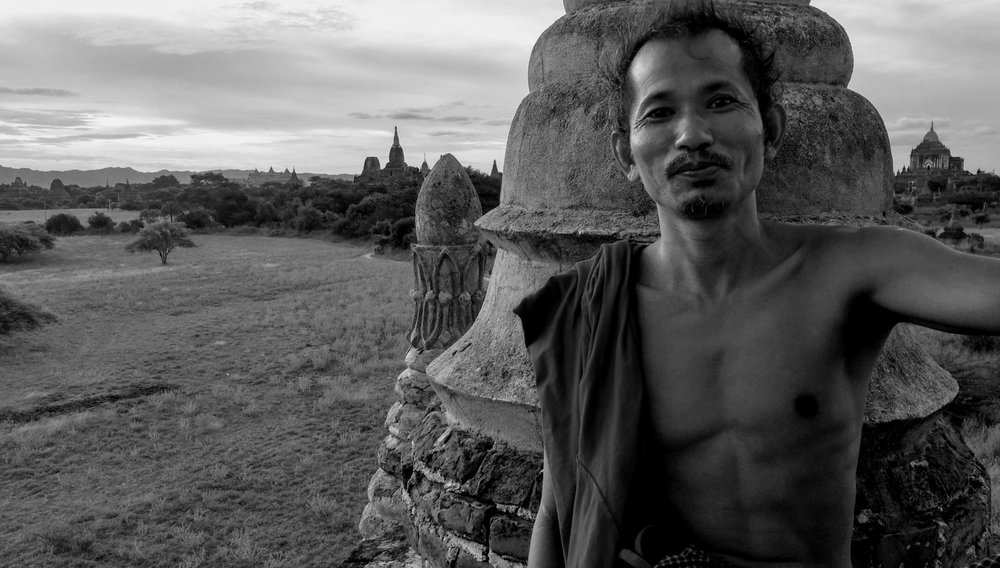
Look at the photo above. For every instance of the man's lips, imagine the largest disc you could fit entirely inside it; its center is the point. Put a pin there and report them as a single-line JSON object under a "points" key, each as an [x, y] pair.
{"points": [[697, 169]]}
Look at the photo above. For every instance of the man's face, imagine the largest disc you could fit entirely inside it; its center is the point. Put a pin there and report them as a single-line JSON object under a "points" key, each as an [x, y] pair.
{"points": [[696, 137]]}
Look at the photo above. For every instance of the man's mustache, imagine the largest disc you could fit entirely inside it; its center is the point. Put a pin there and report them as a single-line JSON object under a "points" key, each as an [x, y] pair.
{"points": [[694, 161]]}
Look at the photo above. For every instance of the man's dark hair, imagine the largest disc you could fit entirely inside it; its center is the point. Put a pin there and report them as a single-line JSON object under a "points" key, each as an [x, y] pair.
{"points": [[688, 20]]}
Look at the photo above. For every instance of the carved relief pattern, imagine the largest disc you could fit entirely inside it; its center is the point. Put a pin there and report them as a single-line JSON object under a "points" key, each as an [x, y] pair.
{"points": [[447, 294]]}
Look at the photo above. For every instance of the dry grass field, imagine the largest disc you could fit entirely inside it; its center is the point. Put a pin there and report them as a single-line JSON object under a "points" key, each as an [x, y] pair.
{"points": [[222, 410]]}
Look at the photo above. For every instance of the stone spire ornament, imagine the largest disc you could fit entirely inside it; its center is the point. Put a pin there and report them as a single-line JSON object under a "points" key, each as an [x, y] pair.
{"points": [[448, 261]]}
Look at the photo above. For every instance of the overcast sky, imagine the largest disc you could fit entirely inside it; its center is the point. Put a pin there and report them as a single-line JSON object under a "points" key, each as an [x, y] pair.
{"points": [[317, 86]]}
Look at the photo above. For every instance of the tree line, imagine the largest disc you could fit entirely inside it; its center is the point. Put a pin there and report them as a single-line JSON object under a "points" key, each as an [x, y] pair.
{"points": [[381, 212]]}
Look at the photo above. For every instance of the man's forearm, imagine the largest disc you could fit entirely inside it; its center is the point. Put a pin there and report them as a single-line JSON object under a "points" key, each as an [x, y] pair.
{"points": [[546, 549]]}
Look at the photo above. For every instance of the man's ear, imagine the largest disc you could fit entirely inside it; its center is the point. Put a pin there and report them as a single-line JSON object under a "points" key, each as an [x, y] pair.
{"points": [[774, 130], [622, 149]]}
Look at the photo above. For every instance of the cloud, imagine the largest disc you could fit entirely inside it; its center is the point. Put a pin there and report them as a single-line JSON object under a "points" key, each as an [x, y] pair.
{"points": [[431, 113], [70, 139], [38, 92], [89, 137], [41, 118]]}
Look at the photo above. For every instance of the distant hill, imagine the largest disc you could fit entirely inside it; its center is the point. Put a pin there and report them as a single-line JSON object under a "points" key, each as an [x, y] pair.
{"points": [[111, 176]]}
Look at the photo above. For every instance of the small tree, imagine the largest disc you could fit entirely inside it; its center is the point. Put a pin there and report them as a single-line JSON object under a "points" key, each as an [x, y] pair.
{"points": [[197, 218], [133, 226], [101, 222], [162, 237], [22, 239], [63, 224]]}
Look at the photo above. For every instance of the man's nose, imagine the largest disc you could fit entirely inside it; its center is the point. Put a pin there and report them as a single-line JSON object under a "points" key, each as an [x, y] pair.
{"points": [[693, 132]]}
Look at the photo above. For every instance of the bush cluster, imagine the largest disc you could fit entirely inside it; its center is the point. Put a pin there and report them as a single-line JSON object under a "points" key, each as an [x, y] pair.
{"points": [[22, 239], [63, 224], [101, 222]]}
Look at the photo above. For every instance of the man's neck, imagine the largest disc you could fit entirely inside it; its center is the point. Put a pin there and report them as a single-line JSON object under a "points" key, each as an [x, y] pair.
{"points": [[708, 259]]}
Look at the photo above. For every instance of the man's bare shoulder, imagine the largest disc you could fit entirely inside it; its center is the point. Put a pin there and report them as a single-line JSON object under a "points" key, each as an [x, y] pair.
{"points": [[832, 242]]}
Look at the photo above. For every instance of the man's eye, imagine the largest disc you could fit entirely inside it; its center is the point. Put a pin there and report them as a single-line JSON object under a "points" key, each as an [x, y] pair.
{"points": [[722, 101], [659, 112]]}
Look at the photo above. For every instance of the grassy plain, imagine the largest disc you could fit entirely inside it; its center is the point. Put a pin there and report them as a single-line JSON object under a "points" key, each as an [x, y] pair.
{"points": [[222, 410]]}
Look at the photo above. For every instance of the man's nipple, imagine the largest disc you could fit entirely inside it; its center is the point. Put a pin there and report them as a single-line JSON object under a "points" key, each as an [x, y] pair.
{"points": [[806, 406]]}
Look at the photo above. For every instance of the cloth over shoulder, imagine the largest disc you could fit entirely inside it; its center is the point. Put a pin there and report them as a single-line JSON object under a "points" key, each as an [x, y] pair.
{"points": [[583, 340]]}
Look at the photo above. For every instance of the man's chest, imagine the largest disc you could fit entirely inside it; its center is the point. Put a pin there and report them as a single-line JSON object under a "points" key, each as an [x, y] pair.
{"points": [[769, 365]]}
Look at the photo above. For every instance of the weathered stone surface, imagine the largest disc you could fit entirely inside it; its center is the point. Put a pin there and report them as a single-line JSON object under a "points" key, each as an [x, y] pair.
{"points": [[510, 536], [466, 560], [385, 497], [922, 497], [447, 206], [382, 485], [456, 454], [809, 46], [835, 157], [425, 494], [506, 476], [375, 525], [417, 358], [486, 376], [428, 541], [402, 418], [413, 387], [389, 549], [465, 515], [427, 433], [497, 561], [906, 382], [558, 143], [394, 457]]}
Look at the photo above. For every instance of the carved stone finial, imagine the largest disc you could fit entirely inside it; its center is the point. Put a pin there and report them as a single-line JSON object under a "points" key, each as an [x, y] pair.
{"points": [[448, 263], [448, 206]]}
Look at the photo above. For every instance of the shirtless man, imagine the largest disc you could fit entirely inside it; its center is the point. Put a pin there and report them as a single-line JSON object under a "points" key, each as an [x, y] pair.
{"points": [[757, 339]]}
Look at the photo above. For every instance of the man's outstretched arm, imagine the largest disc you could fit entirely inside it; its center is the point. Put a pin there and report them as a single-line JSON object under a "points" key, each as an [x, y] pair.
{"points": [[920, 280], [546, 546]]}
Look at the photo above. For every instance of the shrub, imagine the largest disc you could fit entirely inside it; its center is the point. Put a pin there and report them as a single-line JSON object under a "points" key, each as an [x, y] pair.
{"points": [[403, 232], [197, 218], [132, 226], [19, 316], [162, 237], [308, 218], [63, 224], [149, 215], [22, 239], [902, 208], [382, 227], [101, 222]]}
